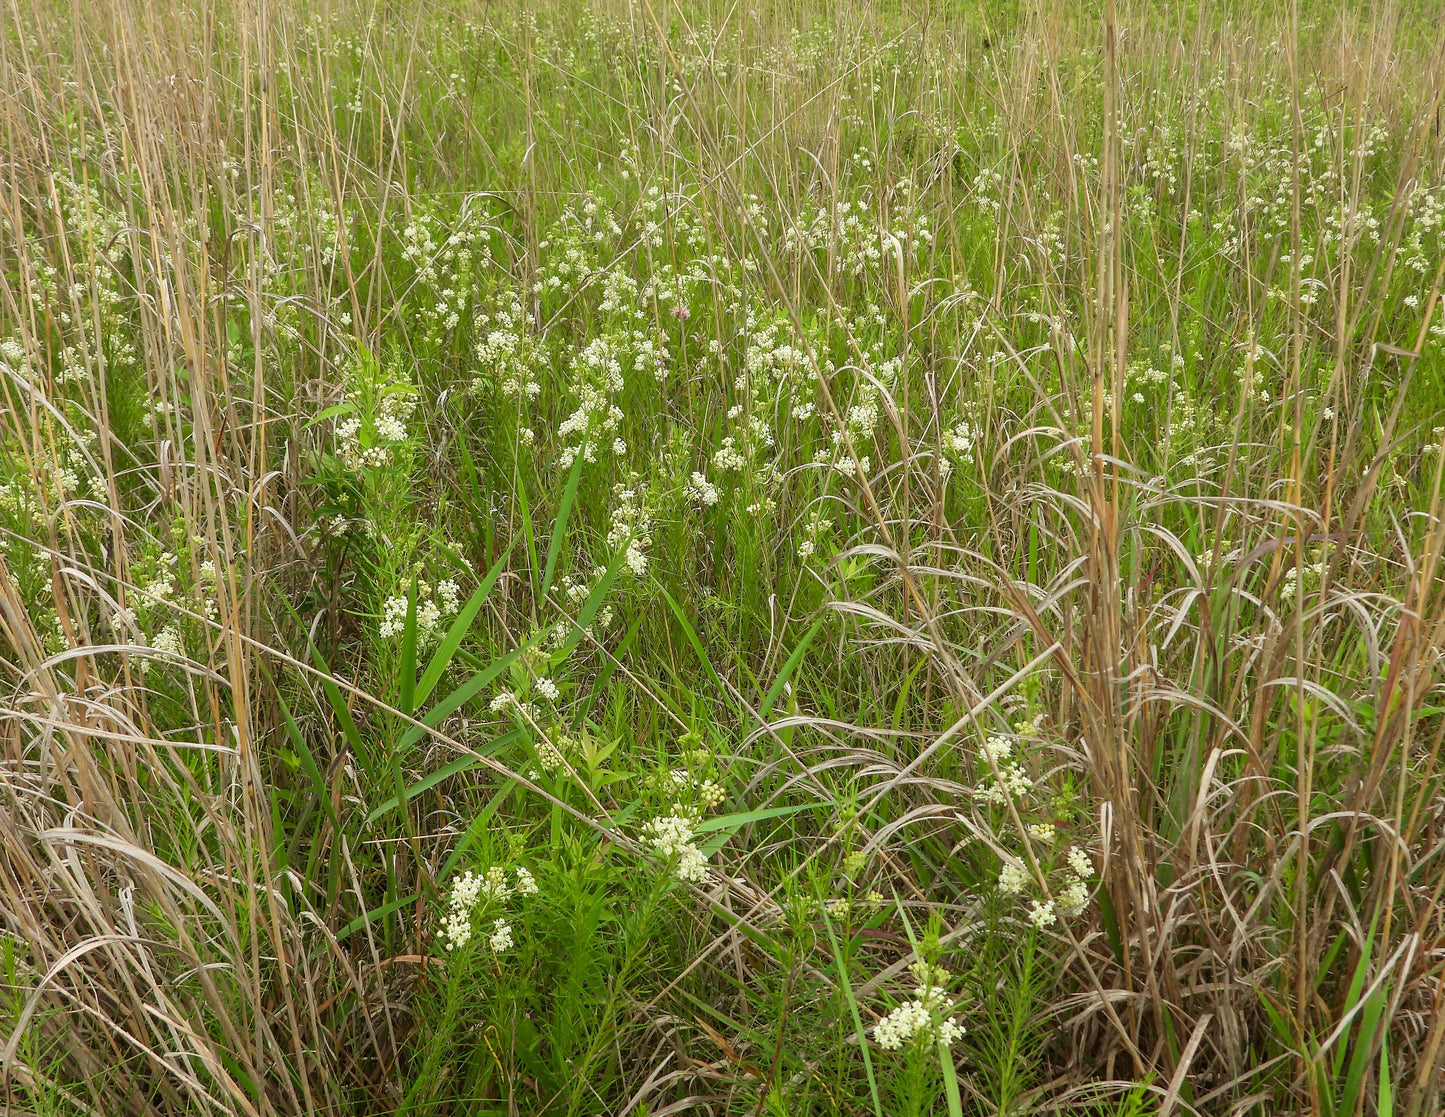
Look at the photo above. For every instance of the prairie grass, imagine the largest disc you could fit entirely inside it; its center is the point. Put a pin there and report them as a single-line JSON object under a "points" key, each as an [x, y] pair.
{"points": [[675, 557]]}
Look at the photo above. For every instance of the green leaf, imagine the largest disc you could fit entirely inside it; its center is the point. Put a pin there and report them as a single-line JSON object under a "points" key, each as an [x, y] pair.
{"points": [[339, 707], [464, 693], [375, 914], [725, 826], [692, 638], [461, 764], [905, 691], [330, 413], [789, 667], [950, 1080], [847, 984], [408, 654], [593, 604], [559, 528], [733, 822], [458, 631]]}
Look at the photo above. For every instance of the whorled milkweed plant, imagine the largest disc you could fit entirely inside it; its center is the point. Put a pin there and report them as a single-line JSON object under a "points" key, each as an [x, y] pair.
{"points": [[664, 557]]}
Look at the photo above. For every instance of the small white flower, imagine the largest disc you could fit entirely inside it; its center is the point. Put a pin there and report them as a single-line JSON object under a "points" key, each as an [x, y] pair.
{"points": [[501, 936], [918, 1020], [457, 926], [998, 748], [1012, 879], [1013, 783], [728, 457], [169, 640], [671, 836], [903, 1024], [526, 883], [391, 428], [548, 689], [702, 490], [1074, 898], [393, 621], [949, 1031], [1041, 915]]}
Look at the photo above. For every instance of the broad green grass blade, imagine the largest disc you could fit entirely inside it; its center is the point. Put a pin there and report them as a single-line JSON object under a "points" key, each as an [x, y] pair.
{"points": [[858, 1030], [950, 1080], [340, 708], [458, 631], [457, 766], [375, 914], [789, 666], [559, 528], [464, 693], [408, 654], [692, 638]]}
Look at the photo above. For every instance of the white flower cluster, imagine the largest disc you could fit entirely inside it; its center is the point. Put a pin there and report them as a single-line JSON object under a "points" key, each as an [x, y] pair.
{"points": [[571, 244], [552, 753], [850, 231], [494, 884], [702, 491], [728, 457], [599, 370], [1012, 782], [924, 1019], [506, 700], [1012, 879], [468, 891], [961, 440], [631, 528], [457, 926], [671, 836], [507, 353], [1074, 896], [373, 419], [446, 262], [849, 468], [169, 640], [1042, 915], [430, 610], [708, 793], [1289, 582]]}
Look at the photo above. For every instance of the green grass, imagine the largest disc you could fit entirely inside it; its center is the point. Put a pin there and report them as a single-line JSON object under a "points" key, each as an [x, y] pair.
{"points": [[883, 517]]}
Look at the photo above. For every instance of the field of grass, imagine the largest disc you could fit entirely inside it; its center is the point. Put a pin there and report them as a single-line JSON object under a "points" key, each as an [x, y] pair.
{"points": [[647, 557]]}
